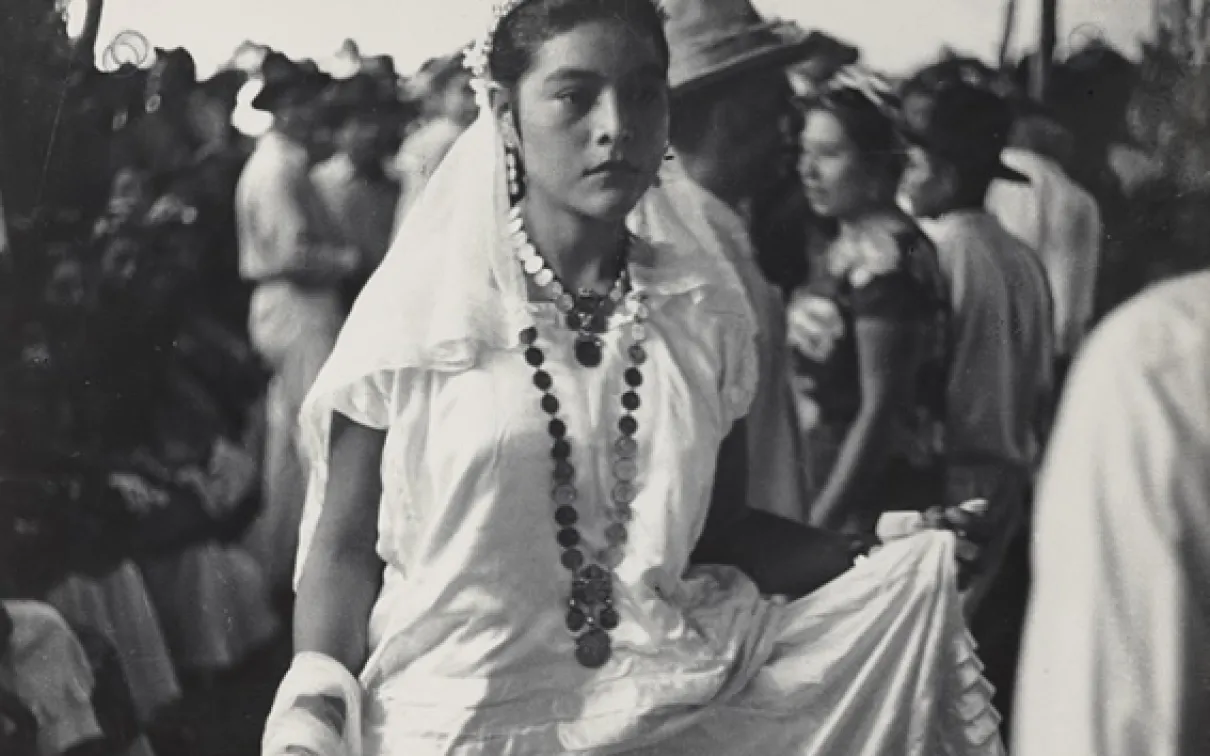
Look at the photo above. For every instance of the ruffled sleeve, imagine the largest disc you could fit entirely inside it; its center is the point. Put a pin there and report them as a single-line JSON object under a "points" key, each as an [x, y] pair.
{"points": [[368, 401]]}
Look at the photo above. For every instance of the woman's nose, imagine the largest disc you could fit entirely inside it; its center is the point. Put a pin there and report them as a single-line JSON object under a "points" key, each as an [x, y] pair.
{"points": [[612, 122]]}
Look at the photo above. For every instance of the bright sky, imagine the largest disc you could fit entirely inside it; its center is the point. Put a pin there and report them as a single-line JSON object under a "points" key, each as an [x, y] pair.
{"points": [[893, 34]]}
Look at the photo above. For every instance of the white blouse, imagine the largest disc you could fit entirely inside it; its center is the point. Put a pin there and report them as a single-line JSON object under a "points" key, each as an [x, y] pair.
{"points": [[470, 653]]}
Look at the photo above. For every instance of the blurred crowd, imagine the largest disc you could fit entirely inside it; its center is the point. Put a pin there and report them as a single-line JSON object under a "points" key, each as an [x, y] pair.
{"points": [[133, 398], [149, 377]]}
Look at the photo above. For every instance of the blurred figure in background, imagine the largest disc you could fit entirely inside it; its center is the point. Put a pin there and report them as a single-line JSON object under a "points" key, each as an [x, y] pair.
{"points": [[444, 85], [352, 184], [871, 327], [209, 186], [1117, 643], [1058, 219], [292, 250], [159, 137], [734, 129], [43, 665], [999, 388], [1001, 339]]}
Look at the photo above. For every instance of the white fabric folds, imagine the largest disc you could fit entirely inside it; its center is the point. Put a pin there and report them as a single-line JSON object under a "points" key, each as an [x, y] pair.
{"points": [[317, 709]]}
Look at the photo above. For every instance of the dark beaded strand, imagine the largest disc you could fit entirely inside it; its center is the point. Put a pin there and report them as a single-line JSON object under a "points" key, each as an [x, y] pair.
{"points": [[591, 613], [590, 609]]}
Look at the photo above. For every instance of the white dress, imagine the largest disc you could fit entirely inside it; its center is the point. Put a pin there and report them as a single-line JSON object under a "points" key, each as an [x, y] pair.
{"points": [[470, 654]]}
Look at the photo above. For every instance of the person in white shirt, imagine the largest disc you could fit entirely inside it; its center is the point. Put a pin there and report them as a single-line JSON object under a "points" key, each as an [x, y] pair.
{"points": [[1116, 658], [1001, 342], [1058, 219], [291, 249]]}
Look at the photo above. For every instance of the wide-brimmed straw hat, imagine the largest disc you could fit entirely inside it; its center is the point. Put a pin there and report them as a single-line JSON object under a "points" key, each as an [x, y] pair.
{"points": [[711, 40]]}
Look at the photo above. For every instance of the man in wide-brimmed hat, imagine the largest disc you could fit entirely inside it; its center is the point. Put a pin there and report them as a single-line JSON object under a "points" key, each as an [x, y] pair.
{"points": [[353, 184], [1059, 219], [295, 255], [1000, 381], [734, 131]]}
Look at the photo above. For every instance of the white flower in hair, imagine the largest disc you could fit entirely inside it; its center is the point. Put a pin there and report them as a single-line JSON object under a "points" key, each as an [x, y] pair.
{"points": [[481, 49], [873, 86]]}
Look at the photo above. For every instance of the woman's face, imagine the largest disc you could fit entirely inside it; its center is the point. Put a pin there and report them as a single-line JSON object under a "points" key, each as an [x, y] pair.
{"points": [[592, 113], [838, 180]]}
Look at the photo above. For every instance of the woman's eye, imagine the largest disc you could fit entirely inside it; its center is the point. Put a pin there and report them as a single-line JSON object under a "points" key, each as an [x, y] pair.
{"points": [[574, 97]]}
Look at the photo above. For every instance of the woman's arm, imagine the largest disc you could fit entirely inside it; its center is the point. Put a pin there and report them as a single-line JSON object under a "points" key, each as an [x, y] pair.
{"points": [[342, 575], [781, 556], [886, 362]]}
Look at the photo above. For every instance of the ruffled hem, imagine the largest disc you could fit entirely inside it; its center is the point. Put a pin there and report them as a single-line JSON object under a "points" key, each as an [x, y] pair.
{"points": [[971, 724]]}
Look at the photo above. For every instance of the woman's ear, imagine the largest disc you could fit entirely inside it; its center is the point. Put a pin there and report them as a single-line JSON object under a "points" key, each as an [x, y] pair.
{"points": [[501, 102]]}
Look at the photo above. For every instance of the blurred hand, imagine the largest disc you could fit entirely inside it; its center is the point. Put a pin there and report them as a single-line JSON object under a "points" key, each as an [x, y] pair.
{"points": [[814, 325], [140, 496]]}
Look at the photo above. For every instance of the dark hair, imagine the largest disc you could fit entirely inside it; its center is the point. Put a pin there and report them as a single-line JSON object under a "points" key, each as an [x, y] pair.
{"points": [[870, 127], [533, 23]]}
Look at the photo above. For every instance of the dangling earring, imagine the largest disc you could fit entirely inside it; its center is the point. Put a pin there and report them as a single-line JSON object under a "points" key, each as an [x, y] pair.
{"points": [[512, 164], [669, 156]]}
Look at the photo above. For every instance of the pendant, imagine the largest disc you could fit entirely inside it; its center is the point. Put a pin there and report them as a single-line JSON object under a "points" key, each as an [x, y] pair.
{"points": [[588, 351], [593, 648]]}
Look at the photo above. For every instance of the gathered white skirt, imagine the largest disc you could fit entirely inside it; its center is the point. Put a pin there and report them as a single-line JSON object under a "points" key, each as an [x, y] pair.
{"points": [[878, 662]]}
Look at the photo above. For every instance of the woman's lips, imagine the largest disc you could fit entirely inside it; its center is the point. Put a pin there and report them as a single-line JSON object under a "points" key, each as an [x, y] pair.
{"points": [[614, 168]]}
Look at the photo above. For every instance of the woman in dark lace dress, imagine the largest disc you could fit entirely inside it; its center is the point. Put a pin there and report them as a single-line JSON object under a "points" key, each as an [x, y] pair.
{"points": [[869, 328]]}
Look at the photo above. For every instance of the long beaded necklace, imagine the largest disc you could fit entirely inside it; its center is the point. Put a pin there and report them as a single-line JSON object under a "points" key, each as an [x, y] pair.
{"points": [[591, 613]]}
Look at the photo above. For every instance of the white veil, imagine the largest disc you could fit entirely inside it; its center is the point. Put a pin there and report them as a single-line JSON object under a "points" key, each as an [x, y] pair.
{"points": [[450, 288]]}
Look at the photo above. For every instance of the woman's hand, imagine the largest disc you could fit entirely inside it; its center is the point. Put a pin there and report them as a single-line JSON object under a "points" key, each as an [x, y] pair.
{"points": [[327, 709], [970, 523]]}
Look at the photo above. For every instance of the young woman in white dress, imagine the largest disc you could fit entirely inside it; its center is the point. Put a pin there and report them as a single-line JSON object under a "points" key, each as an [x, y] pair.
{"points": [[513, 542]]}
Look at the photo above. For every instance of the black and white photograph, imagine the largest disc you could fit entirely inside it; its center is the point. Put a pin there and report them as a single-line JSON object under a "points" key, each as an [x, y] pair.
{"points": [[605, 377]]}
